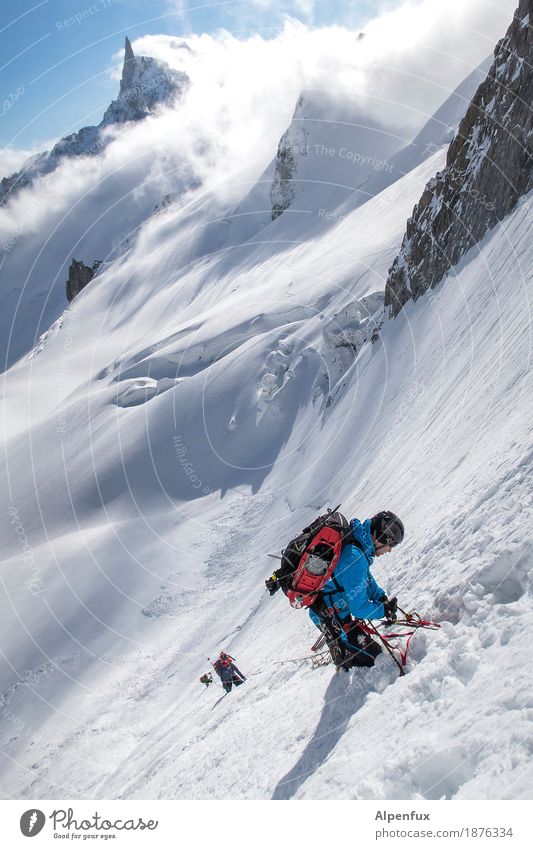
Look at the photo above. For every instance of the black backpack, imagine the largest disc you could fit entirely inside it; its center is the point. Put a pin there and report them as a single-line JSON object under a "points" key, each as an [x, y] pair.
{"points": [[309, 559]]}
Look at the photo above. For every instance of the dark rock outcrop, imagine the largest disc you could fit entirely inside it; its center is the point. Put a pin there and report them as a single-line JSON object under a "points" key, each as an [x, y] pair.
{"points": [[488, 168], [79, 275], [293, 140]]}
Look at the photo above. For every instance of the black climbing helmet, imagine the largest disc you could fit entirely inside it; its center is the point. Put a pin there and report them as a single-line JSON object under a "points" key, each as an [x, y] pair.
{"points": [[387, 528]]}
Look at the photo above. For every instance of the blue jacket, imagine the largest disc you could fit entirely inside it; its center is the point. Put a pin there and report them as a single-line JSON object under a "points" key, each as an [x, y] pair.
{"points": [[360, 591]]}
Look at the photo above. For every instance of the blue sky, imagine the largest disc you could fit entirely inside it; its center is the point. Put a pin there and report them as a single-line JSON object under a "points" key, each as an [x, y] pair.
{"points": [[56, 54]]}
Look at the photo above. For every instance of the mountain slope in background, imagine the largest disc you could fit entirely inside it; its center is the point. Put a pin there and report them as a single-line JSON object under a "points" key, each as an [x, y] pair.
{"points": [[329, 161], [92, 207], [341, 147], [436, 133], [87, 198]]}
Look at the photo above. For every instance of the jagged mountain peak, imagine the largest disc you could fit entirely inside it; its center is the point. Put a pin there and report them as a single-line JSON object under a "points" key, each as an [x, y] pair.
{"points": [[128, 66], [146, 83], [128, 50]]}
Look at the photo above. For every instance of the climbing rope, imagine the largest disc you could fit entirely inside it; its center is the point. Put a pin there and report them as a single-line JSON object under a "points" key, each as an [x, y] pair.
{"points": [[411, 622]]}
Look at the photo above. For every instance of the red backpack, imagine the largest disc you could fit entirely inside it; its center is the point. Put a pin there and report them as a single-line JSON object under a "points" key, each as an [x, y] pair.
{"points": [[309, 559]]}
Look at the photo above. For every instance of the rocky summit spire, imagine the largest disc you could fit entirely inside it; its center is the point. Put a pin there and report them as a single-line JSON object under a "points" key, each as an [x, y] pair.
{"points": [[146, 83], [128, 50], [129, 65]]}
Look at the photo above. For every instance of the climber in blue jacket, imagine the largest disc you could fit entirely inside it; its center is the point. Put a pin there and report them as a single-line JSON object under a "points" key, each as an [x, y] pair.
{"points": [[352, 593]]}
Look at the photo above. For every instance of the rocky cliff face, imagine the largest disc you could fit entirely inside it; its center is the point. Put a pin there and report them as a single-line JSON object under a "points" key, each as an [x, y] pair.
{"points": [[145, 84], [292, 145], [79, 275], [488, 168]]}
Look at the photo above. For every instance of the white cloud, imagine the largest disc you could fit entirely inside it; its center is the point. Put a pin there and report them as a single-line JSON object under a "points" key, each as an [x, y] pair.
{"points": [[244, 90], [11, 160], [410, 59]]}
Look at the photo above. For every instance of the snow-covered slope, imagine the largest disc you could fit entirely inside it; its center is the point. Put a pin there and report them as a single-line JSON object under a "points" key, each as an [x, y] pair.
{"points": [[332, 158], [87, 197], [328, 149], [187, 414], [436, 133], [136, 564], [92, 206], [195, 338], [340, 146]]}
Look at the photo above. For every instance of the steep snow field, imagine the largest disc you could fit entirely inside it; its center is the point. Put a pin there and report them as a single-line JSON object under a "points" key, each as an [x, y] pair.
{"points": [[142, 562], [212, 390]]}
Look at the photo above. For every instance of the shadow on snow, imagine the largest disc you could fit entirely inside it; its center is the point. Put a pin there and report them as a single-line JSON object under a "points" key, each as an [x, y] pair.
{"points": [[345, 695]]}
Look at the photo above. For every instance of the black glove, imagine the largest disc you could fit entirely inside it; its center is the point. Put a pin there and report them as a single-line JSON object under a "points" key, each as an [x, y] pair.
{"points": [[391, 608], [272, 584], [383, 598]]}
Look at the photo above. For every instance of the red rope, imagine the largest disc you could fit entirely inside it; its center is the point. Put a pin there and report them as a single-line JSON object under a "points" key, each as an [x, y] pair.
{"points": [[413, 621]]}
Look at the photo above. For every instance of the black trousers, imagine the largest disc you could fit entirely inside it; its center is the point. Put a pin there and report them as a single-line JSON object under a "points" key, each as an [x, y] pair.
{"points": [[360, 649], [349, 643], [235, 680]]}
